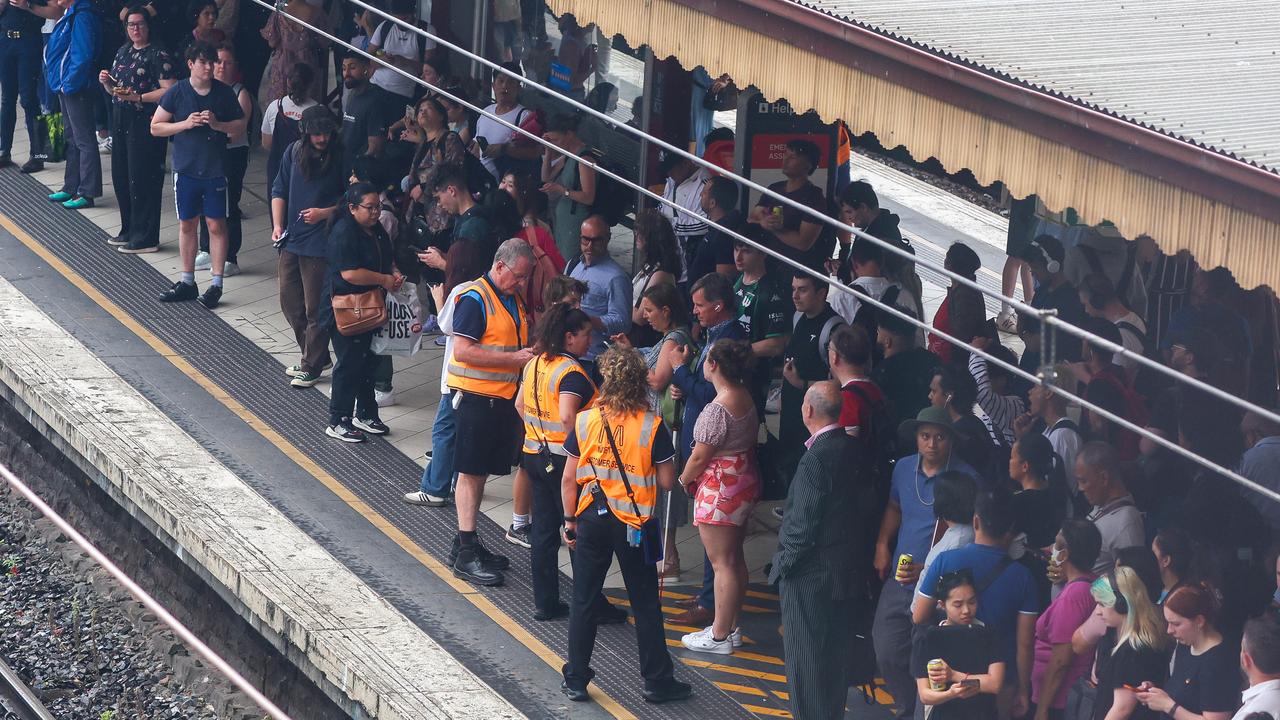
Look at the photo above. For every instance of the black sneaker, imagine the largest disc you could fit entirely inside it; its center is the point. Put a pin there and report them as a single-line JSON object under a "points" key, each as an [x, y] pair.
{"points": [[519, 536], [471, 567], [344, 432], [4, 160], [574, 694], [670, 692], [119, 240], [133, 248], [559, 610], [373, 427], [31, 166], [180, 292], [211, 296]]}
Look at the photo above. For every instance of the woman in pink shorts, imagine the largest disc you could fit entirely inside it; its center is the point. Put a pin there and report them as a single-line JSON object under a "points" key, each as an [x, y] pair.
{"points": [[721, 477]]}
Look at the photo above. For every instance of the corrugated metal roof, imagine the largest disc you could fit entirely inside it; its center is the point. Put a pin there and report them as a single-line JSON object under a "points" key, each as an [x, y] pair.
{"points": [[1206, 73]]}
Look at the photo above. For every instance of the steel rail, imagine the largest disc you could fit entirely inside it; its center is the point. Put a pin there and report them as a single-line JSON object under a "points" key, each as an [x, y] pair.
{"points": [[143, 596], [19, 699]]}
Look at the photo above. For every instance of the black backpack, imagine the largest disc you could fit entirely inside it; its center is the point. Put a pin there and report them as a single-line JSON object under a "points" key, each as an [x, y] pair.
{"points": [[613, 199], [881, 442], [868, 316]]}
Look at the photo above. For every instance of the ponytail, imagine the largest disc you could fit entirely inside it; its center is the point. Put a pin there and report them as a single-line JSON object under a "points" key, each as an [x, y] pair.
{"points": [[559, 319]]}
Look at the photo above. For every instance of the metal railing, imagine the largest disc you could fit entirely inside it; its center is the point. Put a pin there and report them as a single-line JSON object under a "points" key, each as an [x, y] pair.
{"points": [[1049, 318]]}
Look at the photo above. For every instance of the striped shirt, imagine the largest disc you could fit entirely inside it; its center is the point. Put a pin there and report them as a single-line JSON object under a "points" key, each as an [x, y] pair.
{"points": [[1168, 280], [1000, 409], [688, 195]]}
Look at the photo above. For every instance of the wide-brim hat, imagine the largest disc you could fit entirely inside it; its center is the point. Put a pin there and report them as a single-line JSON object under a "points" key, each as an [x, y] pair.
{"points": [[929, 416]]}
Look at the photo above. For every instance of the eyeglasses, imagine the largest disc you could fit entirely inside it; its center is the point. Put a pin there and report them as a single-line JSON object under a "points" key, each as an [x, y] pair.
{"points": [[135, 25], [591, 239], [370, 208]]}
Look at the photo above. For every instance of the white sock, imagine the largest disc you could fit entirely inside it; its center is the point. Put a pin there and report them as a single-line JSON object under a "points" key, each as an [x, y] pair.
{"points": [[519, 521]]}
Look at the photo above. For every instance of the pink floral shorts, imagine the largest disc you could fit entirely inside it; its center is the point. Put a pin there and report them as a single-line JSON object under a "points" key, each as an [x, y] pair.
{"points": [[727, 490]]}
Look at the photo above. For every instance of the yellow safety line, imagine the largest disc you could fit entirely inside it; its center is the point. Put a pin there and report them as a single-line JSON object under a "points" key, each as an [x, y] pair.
{"points": [[762, 595], [717, 667], [506, 622], [743, 689], [773, 712], [691, 629], [769, 659]]}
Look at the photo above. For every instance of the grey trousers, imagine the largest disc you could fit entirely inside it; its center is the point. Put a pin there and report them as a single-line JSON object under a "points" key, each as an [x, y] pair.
{"points": [[83, 172], [815, 644], [891, 636]]}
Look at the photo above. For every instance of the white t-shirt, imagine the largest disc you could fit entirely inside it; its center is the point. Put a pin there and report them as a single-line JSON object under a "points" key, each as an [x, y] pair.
{"points": [[495, 133], [396, 40], [445, 319], [846, 304], [291, 110]]}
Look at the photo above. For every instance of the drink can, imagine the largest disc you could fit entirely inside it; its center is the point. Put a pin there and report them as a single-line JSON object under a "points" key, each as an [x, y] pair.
{"points": [[936, 664], [903, 561], [777, 211]]}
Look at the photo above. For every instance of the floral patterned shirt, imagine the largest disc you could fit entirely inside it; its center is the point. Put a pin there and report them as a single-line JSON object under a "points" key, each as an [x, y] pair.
{"points": [[140, 71]]}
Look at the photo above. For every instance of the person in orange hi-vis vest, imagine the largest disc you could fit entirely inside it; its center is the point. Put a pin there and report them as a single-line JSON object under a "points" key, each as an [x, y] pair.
{"points": [[491, 338], [620, 455]]}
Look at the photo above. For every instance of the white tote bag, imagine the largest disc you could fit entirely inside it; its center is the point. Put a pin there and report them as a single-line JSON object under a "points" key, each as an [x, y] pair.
{"points": [[402, 335]]}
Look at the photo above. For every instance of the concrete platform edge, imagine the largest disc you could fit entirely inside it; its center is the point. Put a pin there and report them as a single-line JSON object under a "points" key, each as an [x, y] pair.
{"points": [[361, 651]]}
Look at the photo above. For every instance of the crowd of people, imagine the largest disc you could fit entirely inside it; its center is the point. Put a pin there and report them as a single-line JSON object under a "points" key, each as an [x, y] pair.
{"points": [[1038, 560]]}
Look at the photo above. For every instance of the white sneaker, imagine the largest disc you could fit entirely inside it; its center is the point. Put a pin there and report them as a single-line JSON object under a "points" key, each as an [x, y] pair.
{"points": [[202, 261], [735, 637], [385, 399], [230, 269], [104, 145], [702, 641]]}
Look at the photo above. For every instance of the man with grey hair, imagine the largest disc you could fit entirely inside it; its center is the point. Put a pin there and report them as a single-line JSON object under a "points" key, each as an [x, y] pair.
{"points": [[491, 338], [1101, 478], [819, 565]]}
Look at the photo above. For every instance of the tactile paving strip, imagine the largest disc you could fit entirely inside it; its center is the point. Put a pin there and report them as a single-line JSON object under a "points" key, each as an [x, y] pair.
{"points": [[375, 471]]}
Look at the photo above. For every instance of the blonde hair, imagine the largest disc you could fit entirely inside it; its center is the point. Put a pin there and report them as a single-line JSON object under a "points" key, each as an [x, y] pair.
{"points": [[1143, 624], [625, 389]]}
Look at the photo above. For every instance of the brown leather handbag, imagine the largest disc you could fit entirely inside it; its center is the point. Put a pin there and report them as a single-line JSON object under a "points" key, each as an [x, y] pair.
{"points": [[360, 313]]}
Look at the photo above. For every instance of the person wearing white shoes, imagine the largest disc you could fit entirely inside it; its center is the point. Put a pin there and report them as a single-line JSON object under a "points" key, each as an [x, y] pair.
{"points": [[226, 70], [815, 567]]}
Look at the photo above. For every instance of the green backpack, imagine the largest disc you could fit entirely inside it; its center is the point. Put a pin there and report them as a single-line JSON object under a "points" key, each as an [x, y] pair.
{"points": [[672, 410]]}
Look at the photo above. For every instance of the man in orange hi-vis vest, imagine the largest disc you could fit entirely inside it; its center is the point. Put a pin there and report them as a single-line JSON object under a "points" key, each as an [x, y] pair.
{"points": [[490, 335]]}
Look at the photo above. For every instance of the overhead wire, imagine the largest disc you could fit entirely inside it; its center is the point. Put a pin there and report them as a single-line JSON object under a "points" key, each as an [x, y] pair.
{"points": [[1021, 307], [142, 596], [832, 282]]}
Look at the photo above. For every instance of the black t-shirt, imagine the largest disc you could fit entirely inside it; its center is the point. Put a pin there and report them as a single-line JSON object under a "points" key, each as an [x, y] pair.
{"points": [[715, 249], [804, 347], [351, 247], [764, 311], [1066, 300], [1209, 682], [812, 196], [967, 649], [201, 151], [1038, 514], [23, 21], [366, 114], [1128, 666]]}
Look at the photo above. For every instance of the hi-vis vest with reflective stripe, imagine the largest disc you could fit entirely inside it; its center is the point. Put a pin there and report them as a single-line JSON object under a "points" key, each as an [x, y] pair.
{"points": [[501, 332], [541, 382], [634, 435]]}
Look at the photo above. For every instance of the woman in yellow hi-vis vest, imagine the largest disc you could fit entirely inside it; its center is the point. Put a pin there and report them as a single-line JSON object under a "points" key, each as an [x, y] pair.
{"points": [[553, 389], [621, 455]]}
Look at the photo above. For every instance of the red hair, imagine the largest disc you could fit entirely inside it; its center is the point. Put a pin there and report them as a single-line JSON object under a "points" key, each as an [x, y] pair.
{"points": [[1191, 601]]}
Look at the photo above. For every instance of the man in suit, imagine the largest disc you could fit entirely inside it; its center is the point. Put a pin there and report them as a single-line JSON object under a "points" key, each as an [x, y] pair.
{"points": [[817, 564]]}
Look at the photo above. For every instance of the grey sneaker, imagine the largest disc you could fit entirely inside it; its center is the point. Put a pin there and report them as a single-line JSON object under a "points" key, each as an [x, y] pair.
{"points": [[519, 536], [202, 261], [230, 269]]}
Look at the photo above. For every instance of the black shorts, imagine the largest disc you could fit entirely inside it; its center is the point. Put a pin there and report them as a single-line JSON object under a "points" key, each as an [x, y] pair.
{"points": [[489, 435]]}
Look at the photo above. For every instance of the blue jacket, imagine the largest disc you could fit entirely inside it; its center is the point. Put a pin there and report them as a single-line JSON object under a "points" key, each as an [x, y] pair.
{"points": [[70, 58]]}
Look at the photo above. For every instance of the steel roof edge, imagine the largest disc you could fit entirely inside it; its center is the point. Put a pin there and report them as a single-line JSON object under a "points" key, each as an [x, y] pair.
{"points": [[1006, 87]]}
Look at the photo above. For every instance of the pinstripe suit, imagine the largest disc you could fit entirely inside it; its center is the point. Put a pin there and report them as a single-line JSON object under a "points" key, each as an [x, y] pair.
{"points": [[816, 567]]}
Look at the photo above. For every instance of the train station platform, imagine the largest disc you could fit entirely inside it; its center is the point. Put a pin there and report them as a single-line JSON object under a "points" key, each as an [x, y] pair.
{"points": [[217, 378]]}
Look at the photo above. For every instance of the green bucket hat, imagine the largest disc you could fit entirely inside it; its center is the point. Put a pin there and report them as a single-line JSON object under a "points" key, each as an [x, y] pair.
{"points": [[929, 416]]}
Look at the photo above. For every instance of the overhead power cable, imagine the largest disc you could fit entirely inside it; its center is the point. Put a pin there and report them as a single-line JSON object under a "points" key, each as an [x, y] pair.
{"points": [[896, 312]]}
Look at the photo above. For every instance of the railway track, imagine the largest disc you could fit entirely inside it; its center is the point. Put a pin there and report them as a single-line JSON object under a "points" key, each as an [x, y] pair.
{"points": [[17, 701]]}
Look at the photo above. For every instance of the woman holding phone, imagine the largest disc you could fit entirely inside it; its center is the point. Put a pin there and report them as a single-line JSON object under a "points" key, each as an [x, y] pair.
{"points": [[957, 663], [1133, 653], [1204, 680]]}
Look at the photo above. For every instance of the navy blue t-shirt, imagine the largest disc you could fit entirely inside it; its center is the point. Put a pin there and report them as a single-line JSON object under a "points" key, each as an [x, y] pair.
{"points": [[201, 151], [23, 21]]}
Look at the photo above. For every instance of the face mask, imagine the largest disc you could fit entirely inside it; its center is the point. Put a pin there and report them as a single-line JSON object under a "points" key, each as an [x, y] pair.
{"points": [[1056, 557]]}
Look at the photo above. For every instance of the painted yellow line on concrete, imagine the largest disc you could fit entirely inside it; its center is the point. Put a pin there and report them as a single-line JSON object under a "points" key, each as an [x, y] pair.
{"points": [[717, 667], [506, 622], [756, 657], [691, 629], [763, 595], [740, 689], [772, 712]]}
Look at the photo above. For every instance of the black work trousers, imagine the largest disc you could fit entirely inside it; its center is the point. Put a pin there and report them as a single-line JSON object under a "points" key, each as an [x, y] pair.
{"points": [[351, 388], [600, 538], [137, 173]]}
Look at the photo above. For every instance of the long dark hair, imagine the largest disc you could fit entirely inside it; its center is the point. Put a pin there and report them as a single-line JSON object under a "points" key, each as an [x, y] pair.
{"points": [[354, 194], [315, 164], [660, 249], [562, 318]]}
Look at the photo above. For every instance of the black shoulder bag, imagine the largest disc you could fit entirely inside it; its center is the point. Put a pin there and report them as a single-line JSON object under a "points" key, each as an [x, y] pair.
{"points": [[650, 535]]}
